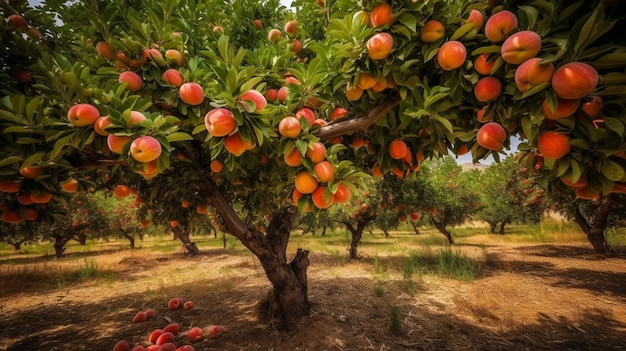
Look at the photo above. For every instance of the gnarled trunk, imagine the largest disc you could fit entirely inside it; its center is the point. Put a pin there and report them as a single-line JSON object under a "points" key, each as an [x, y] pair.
{"points": [[441, 226], [131, 239], [492, 226], [81, 238], [502, 225], [415, 228], [595, 227], [362, 221], [182, 233], [59, 244]]}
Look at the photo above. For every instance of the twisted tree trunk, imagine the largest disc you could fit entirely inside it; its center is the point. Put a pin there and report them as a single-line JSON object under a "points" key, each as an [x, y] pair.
{"points": [[130, 238], [594, 227], [182, 233], [441, 226]]}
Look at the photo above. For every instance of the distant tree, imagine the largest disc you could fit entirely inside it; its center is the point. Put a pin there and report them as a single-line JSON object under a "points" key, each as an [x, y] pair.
{"points": [[19, 234]]}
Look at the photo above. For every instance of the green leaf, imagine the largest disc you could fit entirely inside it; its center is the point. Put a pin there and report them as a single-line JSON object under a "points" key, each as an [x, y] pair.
{"points": [[612, 60], [462, 30], [531, 15], [492, 49], [178, 136], [32, 159], [199, 129], [615, 125], [585, 32], [614, 78], [612, 170], [10, 160], [568, 11]]}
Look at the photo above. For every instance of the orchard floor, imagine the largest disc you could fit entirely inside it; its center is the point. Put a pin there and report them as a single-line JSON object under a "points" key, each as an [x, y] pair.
{"points": [[526, 297]]}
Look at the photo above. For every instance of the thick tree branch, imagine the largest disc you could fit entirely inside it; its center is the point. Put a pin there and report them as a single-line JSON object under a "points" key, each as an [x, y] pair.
{"points": [[359, 122], [234, 224]]}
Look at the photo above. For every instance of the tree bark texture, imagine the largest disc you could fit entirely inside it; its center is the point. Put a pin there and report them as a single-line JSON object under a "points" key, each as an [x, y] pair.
{"points": [[441, 226], [594, 227], [182, 233], [131, 239]]}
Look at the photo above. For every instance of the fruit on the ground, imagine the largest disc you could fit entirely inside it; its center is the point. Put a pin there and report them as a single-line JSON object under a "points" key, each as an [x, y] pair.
{"points": [[186, 348], [488, 89], [174, 303], [30, 172], [145, 149], [215, 331], [379, 46], [149, 311], [165, 337], [70, 185], [381, 15], [476, 18], [553, 145], [274, 35], [499, 25], [324, 171], [520, 47], [121, 345], [564, 108], [342, 194], [191, 93], [451, 55], [138, 348], [220, 122], [173, 77], [101, 123], [235, 144], [121, 191], [491, 136], [133, 80], [289, 127], [168, 346], [195, 334], [316, 152], [305, 182], [532, 72], [432, 31], [117, 143], [574, 80], [82, 115], [398, 149], [188, 305], [483, 64], [253, 101], [140, 317], [154, 335]]}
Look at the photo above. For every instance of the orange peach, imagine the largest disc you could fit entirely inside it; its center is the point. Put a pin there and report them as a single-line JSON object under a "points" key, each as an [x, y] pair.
{"points": [[532, 72], [451, 55], [520, 47]]}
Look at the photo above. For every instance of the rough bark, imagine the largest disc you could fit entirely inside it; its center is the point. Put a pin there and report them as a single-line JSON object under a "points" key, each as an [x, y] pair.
{"points": [[595, 227], [81, 238], [131, 239], [182, 233], [59, 244], [441, 226], [492, 226], [356, 232], [502, 225]]}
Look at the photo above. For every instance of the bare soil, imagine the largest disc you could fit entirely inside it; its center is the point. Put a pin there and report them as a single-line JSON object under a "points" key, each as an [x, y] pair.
{"points": [[527, 297]]}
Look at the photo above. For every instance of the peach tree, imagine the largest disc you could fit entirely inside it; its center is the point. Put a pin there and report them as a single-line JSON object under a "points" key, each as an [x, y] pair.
{"points": [[245, 106]]}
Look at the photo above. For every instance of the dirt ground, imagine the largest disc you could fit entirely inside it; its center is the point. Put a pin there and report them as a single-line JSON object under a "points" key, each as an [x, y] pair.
{"points": [[527, 297]]}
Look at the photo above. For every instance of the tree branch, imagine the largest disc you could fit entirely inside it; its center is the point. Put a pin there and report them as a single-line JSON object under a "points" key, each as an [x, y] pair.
{"points": [[361, 121]]}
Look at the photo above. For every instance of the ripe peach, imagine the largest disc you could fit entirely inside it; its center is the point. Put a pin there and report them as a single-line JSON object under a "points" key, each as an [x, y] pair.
{"points": [[145, 149], [135, 117], [532, 72], [121, 191], [133, 80], [353, 93], [220, 122], [18, 22], [24, 199], [10, 186], [491, 136], [271, 95], [188, 305], [564, 108], [165, 338], [152, 55], [483, 65], [322, 197], [488, 89], [138, 348], [173, 76], [23, 77], [82, 115], [451, 55], [140, 317], [121, 345], [574, 80], [307, 114], [338, 113], [293, 159], [253, 101], [398, 149], [476, 18], [186, 348], [215, 331], [582, 182], [154, 335], [70, 185], [101, 123], [12, 217], [342, 194], [200, 209], [593, 106], [553, 144], [381, 15], [379, 46], [195, 334], [174, 303], [274, 35], [257, 23], [432, 31], [291, 27], [283, 94], [191, 93], [292, 80], [316, 152], [499, 25], [289, 127], [153, 348], [587, 193], [105, 50], [30, 172], [296, 46], [324, 171], [41, 198], [305, 182], [216, 166], [174, 56], [168, 346], [117, 143], [235, 144], [520, 47]]}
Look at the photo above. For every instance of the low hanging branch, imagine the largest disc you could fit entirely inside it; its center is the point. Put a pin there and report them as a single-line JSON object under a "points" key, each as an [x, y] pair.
{"points": [[360, 122]]}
